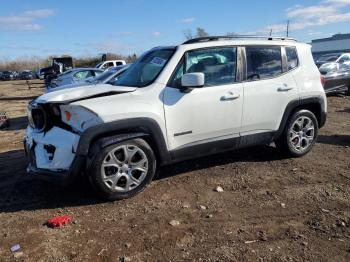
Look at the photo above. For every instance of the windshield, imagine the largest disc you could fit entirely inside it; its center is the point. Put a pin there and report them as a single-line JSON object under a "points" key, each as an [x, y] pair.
{"points": [[98, 65], [329, 58], [147, 68]]}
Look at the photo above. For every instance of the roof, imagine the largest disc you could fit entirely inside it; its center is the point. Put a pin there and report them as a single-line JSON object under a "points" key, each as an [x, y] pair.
{"points": [[237, 37], [332, 38]]}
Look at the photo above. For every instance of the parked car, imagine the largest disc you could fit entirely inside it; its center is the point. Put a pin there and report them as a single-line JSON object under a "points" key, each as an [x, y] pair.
{"points": [[332, 57], [110, 63], [338, 80], [40, 74], [177, 103], [7, 75], [15, 74], [107, 77], [335, 65], [58, 66], [26, 75], [74, 76]]}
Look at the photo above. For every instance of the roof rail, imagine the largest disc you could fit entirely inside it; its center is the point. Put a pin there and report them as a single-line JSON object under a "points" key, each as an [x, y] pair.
{"points": [[217, 38]]}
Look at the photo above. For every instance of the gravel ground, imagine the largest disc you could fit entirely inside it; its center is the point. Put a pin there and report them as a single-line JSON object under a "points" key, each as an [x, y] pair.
{"points": [[271, 208]]}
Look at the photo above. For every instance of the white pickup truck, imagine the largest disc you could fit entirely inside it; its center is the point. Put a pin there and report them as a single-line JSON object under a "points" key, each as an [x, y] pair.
{"points": [[110, 63]]}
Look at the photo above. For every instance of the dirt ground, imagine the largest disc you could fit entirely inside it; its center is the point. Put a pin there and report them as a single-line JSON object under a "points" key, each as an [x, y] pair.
{"points": [[271, 209]]}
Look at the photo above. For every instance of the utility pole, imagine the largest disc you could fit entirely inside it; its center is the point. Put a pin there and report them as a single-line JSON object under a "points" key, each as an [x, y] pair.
{"points": [[288, 28]]}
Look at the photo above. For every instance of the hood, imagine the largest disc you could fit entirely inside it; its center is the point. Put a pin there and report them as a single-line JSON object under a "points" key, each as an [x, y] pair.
{"points": [[82, 92], [78, 84]]}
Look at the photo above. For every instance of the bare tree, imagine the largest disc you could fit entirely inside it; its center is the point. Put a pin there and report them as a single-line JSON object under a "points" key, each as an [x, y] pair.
{"points": [[188, 34], [201, 32]]}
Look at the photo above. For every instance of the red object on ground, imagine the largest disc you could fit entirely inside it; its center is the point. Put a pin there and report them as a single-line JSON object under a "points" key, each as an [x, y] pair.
{"points": [[59, 221]]}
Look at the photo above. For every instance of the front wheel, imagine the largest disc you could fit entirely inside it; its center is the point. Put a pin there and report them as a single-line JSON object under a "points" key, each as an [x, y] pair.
{"points": [[299, 135], [122, 170]]}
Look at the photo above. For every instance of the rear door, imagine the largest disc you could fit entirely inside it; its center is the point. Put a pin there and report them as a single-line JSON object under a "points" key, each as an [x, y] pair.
{"points": [[268, 88]]}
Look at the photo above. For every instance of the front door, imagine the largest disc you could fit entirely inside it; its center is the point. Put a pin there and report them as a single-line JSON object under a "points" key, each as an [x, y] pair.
{"points": [[208, 114]]}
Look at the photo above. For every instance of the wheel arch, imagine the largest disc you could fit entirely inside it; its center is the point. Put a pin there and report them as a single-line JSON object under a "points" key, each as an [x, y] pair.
{"points": [[314, 104], [109, 133]]}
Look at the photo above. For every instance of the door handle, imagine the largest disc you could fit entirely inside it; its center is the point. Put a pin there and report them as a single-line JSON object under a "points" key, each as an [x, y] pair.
{"points": [[230, 96], [284, 88]]}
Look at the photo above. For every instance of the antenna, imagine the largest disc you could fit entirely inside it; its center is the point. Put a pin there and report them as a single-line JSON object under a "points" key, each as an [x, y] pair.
{"points": [[271, 32], [288, 28]]}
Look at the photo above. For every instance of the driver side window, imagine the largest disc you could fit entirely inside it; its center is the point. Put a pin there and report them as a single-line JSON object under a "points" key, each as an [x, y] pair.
{"points": [[217, 64]]}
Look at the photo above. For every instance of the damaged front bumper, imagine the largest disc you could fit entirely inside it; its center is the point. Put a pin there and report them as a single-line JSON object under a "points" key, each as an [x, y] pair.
{"points": [[52, 155]]}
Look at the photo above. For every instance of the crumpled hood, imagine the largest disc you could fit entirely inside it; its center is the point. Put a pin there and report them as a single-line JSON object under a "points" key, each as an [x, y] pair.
{"points": [[82, 92], [54, 89]]}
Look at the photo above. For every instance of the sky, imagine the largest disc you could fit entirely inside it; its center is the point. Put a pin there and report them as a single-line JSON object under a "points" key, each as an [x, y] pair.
{"points": [[84, 28]]}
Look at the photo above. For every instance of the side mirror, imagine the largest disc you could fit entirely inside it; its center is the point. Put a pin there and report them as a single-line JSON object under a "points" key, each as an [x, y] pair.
{"points": [[192, 80]]}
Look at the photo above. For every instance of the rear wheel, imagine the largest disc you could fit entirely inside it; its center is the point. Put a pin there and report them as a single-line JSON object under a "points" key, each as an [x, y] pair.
{"points": [[122, 170], [299, 135]]}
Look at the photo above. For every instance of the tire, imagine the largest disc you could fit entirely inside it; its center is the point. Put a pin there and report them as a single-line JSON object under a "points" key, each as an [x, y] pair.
{"points": [[127, 173], [300, 134]]}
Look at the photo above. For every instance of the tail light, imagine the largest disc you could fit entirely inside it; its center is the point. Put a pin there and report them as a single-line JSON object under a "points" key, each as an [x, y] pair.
{"points": [[323, 80]]}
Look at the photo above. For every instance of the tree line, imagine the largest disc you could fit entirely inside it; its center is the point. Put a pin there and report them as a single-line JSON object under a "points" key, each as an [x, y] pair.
{"points": [[34, 62]]}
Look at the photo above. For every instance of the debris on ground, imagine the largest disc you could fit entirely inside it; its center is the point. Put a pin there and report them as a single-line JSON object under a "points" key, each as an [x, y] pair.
{"points": [[202, 207], [174, 223], [250, 241], [4, 122], [59, 221], [15, 248], [102, 250], [283, 205], [219, 189], [18, 254], [262, 236]]}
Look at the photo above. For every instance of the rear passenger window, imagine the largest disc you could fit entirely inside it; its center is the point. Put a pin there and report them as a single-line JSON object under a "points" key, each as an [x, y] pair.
{"points": [[292, 57], [217, 64], [263, 62]]}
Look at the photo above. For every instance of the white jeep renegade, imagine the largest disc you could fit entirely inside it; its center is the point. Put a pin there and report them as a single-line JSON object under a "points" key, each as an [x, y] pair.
{"points": [[202, 97]]}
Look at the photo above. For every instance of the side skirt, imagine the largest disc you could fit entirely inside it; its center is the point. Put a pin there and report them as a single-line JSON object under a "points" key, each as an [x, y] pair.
{"points": [[210, 147]]}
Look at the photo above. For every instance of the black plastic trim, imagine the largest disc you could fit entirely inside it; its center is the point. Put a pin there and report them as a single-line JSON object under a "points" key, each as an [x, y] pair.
{"points": [[315, 100], [123, 130], [219, 145]]}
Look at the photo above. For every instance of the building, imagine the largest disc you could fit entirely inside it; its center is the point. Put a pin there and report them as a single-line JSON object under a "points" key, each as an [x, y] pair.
{"points": [[337, 43]]}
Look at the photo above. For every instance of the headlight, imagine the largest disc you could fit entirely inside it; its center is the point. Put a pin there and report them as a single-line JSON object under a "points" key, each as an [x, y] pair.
{"points": [[36, 117], [79, 117]]}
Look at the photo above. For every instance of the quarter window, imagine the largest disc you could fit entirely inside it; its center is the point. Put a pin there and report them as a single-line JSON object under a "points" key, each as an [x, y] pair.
{"points": [[263, 62], [82, 74], [292, 57], [217, 64]]}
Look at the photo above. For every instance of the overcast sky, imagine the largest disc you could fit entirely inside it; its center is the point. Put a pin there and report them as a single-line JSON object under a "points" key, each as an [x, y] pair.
{"points": [[78, 28]]}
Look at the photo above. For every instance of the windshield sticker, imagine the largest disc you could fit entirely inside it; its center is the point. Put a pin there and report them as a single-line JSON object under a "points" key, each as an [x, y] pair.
{"points": [[158, 61]]}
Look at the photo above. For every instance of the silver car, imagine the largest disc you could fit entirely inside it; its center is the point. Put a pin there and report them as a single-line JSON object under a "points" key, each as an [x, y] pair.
{"points": [[107, 77], [72, 76]]}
